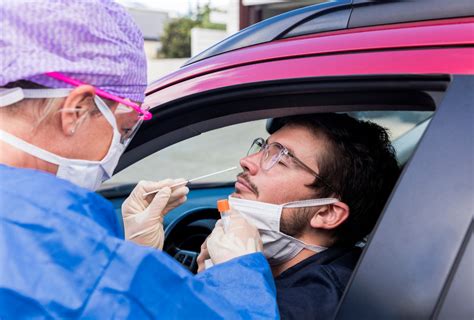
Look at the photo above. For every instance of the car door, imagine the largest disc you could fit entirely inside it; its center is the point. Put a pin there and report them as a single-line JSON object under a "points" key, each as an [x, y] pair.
{"points": [[419, 262]]}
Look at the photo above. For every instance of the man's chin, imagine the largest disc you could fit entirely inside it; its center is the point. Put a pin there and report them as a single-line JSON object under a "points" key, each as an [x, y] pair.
{"points": [[242, 195]]}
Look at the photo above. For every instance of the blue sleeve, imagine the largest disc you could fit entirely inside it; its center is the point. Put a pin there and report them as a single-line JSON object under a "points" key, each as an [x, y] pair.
{"points": [[145, 283], [247, 282], [61, 258]]}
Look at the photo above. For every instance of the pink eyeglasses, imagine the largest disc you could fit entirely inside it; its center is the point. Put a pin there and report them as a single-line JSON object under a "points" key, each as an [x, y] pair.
{"points": [[143, 111]]}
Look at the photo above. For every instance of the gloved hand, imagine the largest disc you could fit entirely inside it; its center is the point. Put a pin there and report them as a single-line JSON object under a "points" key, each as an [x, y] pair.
{"points": [[202, 257], [143, 216], [239, 238]]}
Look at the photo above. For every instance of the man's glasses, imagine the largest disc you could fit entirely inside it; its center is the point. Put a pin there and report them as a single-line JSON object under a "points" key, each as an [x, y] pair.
{"points": [[274, 153]]}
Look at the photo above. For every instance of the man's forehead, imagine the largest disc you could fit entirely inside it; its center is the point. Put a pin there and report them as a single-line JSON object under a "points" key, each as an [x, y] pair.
{"points": [[297, 139]]}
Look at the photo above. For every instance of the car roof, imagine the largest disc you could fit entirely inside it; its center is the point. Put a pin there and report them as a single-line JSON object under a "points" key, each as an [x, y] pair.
{"points": [[338, 15], [228, 67]]}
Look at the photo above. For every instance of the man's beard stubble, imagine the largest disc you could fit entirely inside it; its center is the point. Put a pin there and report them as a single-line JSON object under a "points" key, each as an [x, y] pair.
{"points": [[294, 221], [244, 175]]}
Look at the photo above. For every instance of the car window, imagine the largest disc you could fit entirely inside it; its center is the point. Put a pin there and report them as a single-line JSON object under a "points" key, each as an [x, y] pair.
{"points": [[397, 122], [208, 152], [222, 148]]}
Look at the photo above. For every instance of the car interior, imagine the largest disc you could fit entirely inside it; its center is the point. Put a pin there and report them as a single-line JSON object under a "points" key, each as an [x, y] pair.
{"points": [[402, 104], [211, 130]]}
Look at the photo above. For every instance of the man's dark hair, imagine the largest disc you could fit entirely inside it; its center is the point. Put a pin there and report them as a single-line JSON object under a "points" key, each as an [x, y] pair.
{"points": [[359, 164]]}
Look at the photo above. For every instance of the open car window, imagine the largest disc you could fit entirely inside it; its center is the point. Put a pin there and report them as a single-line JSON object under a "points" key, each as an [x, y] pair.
{"points": [[208, 152], [222, 148]]}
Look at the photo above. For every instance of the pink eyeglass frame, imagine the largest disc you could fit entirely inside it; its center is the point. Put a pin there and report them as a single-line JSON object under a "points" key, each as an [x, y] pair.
{"points": [[145, 114]]}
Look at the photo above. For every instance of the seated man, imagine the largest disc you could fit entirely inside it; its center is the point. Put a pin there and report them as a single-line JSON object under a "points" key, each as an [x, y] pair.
{"points": [[345, 170]]}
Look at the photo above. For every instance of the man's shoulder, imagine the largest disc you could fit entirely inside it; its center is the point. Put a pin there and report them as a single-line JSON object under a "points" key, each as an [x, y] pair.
{"points": [[340, 262], [340, 268], [336, 261], [313, 288]]}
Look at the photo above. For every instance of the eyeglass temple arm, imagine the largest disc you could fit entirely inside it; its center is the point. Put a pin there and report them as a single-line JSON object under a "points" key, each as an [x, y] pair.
{"points": [[313, 172], [58, 76]]}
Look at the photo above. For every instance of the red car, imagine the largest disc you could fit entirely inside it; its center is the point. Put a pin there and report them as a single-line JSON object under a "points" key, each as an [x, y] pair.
{"points": [[407, 63]]}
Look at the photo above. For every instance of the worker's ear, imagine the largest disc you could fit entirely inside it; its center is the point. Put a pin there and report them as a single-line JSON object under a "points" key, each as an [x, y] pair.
{"points": [[76, 108], [330, 216]]}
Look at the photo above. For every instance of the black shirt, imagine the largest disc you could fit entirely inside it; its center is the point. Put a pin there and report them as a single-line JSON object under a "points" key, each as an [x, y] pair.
{"points": [[312, 288]]}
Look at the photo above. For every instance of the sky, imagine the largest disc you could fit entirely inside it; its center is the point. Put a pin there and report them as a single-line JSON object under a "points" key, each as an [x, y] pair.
{"points": [[174, 7]]}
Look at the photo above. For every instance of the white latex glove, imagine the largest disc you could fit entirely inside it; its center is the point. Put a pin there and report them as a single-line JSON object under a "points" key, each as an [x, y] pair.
{"points": [[143, 217], [202, 257], [239, 238]]}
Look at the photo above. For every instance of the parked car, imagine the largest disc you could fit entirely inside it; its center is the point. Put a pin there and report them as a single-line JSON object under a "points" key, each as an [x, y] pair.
{"points": [[408, 65]]}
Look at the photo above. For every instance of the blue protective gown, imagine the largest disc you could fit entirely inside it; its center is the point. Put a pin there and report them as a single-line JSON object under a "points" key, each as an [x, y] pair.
{"points": [[61, 257]]}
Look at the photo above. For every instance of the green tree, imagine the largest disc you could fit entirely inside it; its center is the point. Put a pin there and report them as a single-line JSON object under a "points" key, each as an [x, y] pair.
{"points": [[203, 18], [176, 39]]}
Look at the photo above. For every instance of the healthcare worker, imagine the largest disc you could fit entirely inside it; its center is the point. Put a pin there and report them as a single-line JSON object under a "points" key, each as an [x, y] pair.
{"points": [[71, 74]]}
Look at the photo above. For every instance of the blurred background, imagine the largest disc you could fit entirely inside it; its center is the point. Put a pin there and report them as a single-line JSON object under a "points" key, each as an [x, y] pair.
{"points": [[176, 30]]}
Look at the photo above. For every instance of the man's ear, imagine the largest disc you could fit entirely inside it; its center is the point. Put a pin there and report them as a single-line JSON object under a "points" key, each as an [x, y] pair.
{"points": [[330, 216], [75, 108]]}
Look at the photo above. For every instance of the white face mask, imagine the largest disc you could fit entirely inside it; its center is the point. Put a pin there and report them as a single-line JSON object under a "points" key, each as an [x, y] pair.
{"points": [[277, 246], [84, 173]]}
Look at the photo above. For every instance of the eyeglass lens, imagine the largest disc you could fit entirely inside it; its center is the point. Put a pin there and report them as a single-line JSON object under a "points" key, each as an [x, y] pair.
{"points": [[128, 121], [271, 153]]}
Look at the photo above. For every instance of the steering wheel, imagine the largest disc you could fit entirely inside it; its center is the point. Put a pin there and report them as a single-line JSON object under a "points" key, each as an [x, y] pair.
{"points": [[185, 235]]}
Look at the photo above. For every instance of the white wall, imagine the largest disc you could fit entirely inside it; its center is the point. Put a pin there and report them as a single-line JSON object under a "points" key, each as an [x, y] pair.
{"points": [[201, 39], [158, 68], [233, 15], [150, 22], [260, 2]]}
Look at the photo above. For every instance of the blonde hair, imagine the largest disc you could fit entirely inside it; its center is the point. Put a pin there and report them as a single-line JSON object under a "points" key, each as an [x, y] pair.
{"points": [[38, 110]]}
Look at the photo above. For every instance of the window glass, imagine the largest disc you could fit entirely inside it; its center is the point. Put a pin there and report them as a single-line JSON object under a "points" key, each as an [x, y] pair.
{"points": [[208, 152], [397, 122], [222, 148]]}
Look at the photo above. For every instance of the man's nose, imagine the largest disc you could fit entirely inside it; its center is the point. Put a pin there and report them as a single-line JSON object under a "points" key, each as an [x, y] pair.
{"points": [[251, 163]]}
